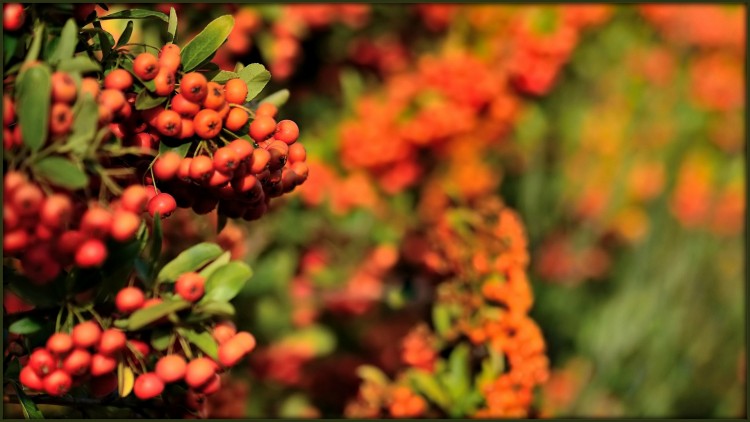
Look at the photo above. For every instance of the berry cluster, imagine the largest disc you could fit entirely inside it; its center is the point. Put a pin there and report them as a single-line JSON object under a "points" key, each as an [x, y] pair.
{"points": [[91, 354], [239, 177], [51, 232]]}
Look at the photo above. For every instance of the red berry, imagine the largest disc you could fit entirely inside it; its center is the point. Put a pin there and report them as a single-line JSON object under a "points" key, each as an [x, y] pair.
{"points": [[56, 211], [91, 253], [129, 299], [125, 225], [287, 131], [190, 286], [266, 109], [201, 168], [166, 165], [27, 199], [171, 368], [211, 386], [13, 16], [297, 153], [104, 385], [60, 343], [30, 379], [223, 331], [102, 364], [42, 362], [146, 66], [134, 199], [57, 383], [77, 362], [86, 334], [235, 91], [262, 127], [194, 87], [148, 386], [199, 371], [226, 160], [119, 79], [163, 203], [112, 341], [207, 124], [96, 222]]}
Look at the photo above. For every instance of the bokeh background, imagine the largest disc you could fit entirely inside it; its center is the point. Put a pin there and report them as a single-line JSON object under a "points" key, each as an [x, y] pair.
{"points": [[617, 135]]}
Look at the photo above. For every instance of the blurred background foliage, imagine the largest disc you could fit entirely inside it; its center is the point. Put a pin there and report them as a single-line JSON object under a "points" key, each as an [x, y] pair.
{"points": [[616, 132]]}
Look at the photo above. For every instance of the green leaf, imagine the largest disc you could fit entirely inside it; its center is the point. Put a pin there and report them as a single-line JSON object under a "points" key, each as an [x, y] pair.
{"points": [[204, 341], [180, 149], [426, 384], [278, 98], [492, 367], [219, 309], [67, 42], [227, 282], [105, 40], [84, 126], [372, 374], [441, 319], [33, 105], [221, 223], [256, 77], [157, 238], [125, 37], [80, 63], [221, 76], [143, 317], [29, 408], [457, 379], [218, 263], [26, 325], [26, 290], [207, 42], [61, 172], [191, 259], [172, 25], [160, 338], [136, 14], [146, 100], [322, 340], [36, 45], [10, 45]]}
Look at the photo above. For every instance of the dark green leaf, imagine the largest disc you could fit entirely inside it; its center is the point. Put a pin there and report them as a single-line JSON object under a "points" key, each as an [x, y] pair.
{"points": [[26, 325], [278, 98], [180, 149], [61, 172], [219, 309], [10, 45], [226, 282], [143, 317], [189, 260], [68, 40], [80, 63], [157, 238], [84, 126], [221, 223], [36, 45], [172, 25], [125, 37], [203, 341], [26, 290], [256, 77], [207, 42], [146, 100], [160, 339], [33, 105], [136, 14], [218, 263], [105, 40], [30, 410]]}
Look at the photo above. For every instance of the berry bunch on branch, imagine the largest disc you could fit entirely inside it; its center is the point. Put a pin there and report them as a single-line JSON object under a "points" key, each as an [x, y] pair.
{"points": [[103, 139]]}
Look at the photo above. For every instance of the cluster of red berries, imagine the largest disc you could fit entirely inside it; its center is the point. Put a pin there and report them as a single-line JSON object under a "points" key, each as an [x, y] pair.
{"points": [[50, 232], [91, 354], [238, 176]]}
